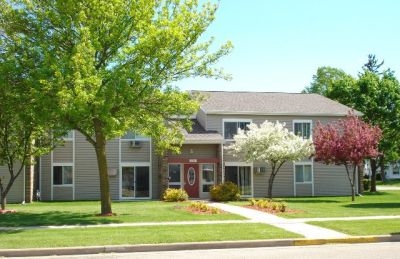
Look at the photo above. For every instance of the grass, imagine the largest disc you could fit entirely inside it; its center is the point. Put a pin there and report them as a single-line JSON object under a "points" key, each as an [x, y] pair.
{"points": [[84, 213], [370, 204], [363, 227], [394, 182], [138, 235]]}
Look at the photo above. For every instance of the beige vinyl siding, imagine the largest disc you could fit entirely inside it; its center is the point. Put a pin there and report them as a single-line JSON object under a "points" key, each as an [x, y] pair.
{"points": [[330, 180], [135, 154], [202, 119], [62, 193], [64, 153], [304, 189], [45, 177], [198, 151], [16, 193], [86, 179]]}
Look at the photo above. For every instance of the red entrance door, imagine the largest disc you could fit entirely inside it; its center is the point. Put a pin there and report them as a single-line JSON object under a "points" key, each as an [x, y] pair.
{"points": [[191, 179]]}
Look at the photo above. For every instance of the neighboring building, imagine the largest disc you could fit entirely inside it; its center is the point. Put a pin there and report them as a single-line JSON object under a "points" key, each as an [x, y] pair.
{"points": [[391, 170], [137, 172]]}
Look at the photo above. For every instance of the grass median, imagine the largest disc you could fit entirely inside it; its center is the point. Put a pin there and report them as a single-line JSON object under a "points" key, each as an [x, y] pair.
{"points": [[96, 236]]}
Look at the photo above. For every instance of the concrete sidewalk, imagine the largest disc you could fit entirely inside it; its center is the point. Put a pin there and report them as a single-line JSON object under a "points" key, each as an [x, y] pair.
{"points": [[308, 231]]}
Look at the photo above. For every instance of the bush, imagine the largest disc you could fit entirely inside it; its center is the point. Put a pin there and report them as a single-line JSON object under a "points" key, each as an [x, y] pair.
{"points": [[175, 195], [366, 183], [203, 207], [227, 191], [268, 204]]}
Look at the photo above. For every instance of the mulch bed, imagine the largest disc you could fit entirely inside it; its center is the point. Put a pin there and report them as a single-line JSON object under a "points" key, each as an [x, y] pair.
{"points": [[2, 212], [271, 211]]}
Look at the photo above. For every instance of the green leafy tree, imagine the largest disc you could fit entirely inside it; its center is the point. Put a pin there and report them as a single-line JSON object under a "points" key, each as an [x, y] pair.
{"points": [[25, 116], [376, 94], [112, 65]]}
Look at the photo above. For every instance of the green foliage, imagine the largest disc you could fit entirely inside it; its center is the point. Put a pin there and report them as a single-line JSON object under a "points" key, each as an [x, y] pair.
{"points": [[202, 207], [268, 204], [111, 65], [227, 191], [366, 184], [375, 93], [174, 195]]}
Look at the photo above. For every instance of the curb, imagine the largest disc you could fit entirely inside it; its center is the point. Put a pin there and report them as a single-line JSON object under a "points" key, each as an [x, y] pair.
{"points": [[193, 246]]}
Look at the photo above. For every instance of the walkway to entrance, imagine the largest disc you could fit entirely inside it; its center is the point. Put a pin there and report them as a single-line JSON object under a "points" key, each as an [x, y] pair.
{"points": [[308, 231]]}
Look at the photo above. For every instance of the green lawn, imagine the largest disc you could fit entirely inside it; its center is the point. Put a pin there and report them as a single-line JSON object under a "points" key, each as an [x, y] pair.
{"points": [[363, 227], [370, 204], [394, 182], [138, 235], [84, 212]]}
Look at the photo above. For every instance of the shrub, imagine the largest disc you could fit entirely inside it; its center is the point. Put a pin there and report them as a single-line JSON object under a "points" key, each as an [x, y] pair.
{"points": [[175, 195], [227, 191], [268, 204], [366, 183], [203, 207]]}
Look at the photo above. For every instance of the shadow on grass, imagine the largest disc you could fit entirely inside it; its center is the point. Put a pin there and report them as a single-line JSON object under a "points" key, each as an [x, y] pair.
{"points": [[381, 205], [53, 218]]}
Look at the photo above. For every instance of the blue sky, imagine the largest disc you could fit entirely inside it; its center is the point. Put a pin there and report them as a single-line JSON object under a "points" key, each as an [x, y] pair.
{"points": [[279, 44]]}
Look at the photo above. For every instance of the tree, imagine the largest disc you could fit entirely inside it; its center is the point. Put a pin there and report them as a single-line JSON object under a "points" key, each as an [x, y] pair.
{"points": [[373, 64], [112, 64], [346, 142], [376, 94], [25, 120], [271, 143]]}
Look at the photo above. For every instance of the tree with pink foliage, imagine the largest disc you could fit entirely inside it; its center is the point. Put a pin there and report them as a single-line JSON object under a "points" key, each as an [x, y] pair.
{"points": [[346, 142]]}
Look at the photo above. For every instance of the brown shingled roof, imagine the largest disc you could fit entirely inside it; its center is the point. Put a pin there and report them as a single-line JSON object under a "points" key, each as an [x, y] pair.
{"points": [[264, 103]]}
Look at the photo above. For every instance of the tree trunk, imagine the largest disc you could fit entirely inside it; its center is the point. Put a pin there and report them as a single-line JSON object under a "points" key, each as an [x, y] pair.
{"points": [[373, 175], [351, 180], [3, 201], [100, 147], [274, 172], [270, 183]]}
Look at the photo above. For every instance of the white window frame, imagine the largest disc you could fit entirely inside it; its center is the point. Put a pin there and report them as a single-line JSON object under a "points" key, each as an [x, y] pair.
{"points": [[303, 164], [180, 183], [66, 137], [242, 164], [233, 120], [135, 164], [135, 137], [202, 182], [304, 121], [62, 165]]}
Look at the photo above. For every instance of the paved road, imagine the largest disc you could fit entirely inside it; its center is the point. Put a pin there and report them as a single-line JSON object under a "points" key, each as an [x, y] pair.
{"points": [[341, 251]]}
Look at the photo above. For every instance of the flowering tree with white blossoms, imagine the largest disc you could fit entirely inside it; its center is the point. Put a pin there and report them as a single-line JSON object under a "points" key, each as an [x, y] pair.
{"points": [[271, 143]]}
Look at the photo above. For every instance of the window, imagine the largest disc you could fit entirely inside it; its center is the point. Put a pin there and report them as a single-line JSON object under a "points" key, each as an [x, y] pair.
{"points": [[132, 136], [69, 135], [302, 129], [135, 182], [174, 176], [241, 176], [231, 128], [303, 173], [208, 174], [62, 175]]}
